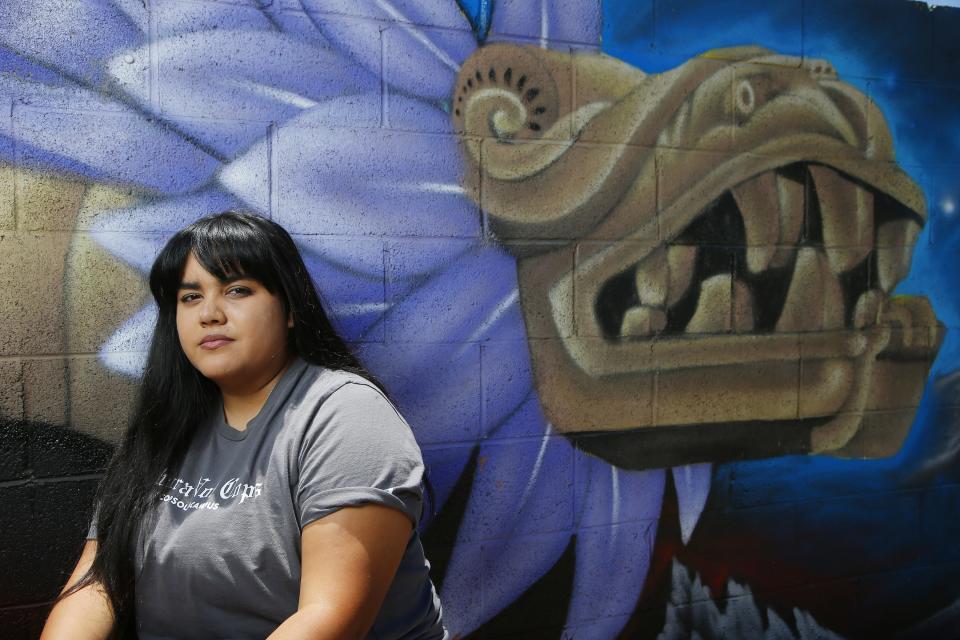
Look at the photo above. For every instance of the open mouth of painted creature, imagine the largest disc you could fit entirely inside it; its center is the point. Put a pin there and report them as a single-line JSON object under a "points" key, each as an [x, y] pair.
{"points": [[792, 249], [706, 257]]}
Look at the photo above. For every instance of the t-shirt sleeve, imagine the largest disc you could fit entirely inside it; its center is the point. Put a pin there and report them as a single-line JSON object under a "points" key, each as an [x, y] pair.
{"points": [[358, 450]]}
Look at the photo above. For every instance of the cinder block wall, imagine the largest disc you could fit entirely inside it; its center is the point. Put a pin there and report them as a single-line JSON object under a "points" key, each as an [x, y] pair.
{"points": [[665, 288]]}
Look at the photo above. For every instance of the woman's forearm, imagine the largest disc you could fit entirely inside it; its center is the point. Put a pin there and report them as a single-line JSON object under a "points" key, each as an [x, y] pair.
{"points": [[84, 615], [318, 622]]}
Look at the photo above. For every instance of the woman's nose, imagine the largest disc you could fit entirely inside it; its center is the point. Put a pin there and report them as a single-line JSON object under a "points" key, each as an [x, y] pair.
{"points": [[210, 312]]}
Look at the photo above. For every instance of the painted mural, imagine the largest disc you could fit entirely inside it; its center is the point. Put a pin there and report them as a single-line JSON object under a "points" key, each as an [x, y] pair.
{"points": [[660, 286]]}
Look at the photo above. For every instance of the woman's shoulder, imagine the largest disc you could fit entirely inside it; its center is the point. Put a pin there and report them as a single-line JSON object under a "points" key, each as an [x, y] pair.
{"points": [[320, 383]]}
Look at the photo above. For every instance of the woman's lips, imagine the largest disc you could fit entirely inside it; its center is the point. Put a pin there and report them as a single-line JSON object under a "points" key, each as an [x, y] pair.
{"points": [[215, 343]]}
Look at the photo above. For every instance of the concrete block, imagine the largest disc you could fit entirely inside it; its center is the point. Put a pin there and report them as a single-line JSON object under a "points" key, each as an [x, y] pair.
{"points": [[942, 186], [679, 24], [543, 190], [566, 21], [506, 381], [861, 51], [100, 400], [596, 544], [765, 91], [946, 25], [870, 548], [447, 304], [938, 529], [901, 595], [11, 389], [598, 501], [32, 324], [758, 383], [688, 106], [504, 470], [447, 411], [587, 385], [103, 293], [621, 288], [177, 17], [258, 75], [99, 198], [881, 435], [69, 35], [431, 14], [114, 147], [13, 449], [628, 25], [833, 601], [466, 580], [45, 390], [774, 545], [46, 202], [548, 309], [347, 182], [830, 375], [61, 511], [514, 91], [693, 183], [349, 276], [509, 564], [8, 214], [57, 451]]}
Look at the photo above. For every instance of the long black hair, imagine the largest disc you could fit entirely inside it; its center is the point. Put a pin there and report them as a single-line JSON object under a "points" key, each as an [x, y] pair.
{"points": [[174, 398]]}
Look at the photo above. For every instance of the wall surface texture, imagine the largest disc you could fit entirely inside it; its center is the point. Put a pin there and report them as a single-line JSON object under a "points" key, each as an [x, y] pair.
{"points": [[665, 288]]}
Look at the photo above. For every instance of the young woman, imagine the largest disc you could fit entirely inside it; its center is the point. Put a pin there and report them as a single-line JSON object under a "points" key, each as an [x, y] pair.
{"points": [[266, 486]]}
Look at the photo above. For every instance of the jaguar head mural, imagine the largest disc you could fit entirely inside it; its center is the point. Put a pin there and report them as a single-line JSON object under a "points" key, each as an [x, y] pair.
{"points": [[706, 256]]}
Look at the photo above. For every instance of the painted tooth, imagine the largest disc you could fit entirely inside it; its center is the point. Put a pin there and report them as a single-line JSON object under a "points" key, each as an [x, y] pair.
{"points": [[681, 261], [652, 279], [895, 242], [790, 195], [867, 310], [814, 299], [713, 307], [758, 201], [742, 307], [643, 321], [846, 213]]}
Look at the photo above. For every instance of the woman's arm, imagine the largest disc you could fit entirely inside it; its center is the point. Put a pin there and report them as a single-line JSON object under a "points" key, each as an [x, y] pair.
{"points": [[84, 615], [349, 559]]}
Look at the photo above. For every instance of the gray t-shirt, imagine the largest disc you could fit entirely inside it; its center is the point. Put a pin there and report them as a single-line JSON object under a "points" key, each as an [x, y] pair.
{"points": [[220, 558]]}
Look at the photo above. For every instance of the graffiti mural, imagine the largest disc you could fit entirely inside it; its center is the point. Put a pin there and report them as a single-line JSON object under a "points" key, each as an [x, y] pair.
{"points": [[659, 301]]}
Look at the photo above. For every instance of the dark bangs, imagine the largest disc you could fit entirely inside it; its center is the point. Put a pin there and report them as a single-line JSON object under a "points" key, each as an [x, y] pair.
{"points": [[228, 246]]}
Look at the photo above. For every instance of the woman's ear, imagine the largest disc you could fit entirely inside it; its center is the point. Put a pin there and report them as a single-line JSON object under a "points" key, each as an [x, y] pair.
{"points": [[290, 320]]}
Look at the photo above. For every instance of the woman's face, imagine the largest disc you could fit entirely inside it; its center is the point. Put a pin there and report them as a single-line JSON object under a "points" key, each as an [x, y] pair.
{"points": [[233, 332]]}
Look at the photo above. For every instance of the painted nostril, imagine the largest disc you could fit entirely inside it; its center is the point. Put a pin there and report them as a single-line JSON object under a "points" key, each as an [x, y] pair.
{"points": [[493, 74], [508, 75]]}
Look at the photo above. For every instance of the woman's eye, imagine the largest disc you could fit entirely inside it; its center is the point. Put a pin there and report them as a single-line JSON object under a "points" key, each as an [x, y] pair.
{"points": [[190, 297], [238, 291]]}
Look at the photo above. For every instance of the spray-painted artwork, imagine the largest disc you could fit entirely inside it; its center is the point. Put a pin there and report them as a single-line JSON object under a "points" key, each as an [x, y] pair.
{"points": [[660, 286]]}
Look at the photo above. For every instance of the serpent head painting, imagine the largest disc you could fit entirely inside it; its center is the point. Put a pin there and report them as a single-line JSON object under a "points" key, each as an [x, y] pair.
{"points": [[584, 282], [746, 285]]}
